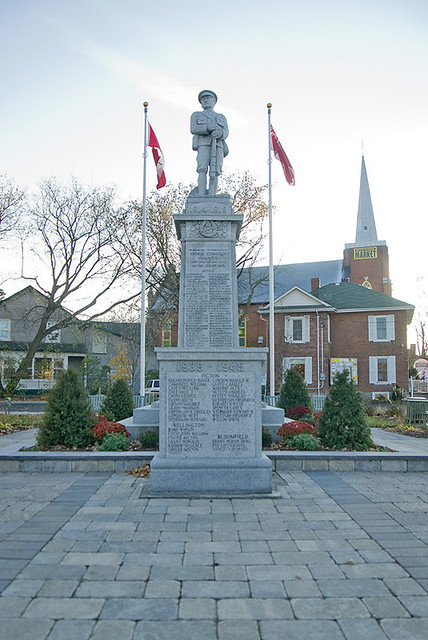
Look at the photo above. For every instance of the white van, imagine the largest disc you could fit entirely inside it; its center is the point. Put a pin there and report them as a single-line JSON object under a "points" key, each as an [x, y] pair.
{"points": [[152, 386]]}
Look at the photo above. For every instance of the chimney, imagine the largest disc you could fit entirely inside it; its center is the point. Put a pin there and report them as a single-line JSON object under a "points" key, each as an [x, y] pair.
{"points": [[315, 283]]}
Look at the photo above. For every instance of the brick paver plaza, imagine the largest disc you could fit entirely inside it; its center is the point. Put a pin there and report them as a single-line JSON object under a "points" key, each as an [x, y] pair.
{"points": [[337, 555]]}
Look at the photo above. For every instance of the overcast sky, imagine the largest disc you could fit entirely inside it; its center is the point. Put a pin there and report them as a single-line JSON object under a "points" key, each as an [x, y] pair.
{"points": [[338, 72]]}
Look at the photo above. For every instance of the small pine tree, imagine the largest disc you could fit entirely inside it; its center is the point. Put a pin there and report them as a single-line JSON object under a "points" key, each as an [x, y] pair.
{"points": [[68, 419], [119, 402], [343, 423], [293, 391]]}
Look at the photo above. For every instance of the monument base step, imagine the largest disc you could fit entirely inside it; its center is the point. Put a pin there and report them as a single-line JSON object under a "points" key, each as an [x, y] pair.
{"points": [[211, 477]]}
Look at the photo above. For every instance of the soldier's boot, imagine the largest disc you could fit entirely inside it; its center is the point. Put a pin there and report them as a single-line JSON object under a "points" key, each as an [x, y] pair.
{"points": [[202, 184]]}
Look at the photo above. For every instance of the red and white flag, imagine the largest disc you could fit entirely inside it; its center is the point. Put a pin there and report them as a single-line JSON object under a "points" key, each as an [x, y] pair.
{"points": [[280, 155], [157, 157]]}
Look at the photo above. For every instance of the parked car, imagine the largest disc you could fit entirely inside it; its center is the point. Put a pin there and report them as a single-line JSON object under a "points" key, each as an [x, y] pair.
{"points": [[152, 386]]}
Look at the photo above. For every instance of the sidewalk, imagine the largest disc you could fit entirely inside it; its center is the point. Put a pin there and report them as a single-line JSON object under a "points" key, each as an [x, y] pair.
{"points": [[337, 556]]}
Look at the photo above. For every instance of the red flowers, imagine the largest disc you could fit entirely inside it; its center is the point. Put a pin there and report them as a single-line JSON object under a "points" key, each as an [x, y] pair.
{"points": [[295, 428], [104, 426]]}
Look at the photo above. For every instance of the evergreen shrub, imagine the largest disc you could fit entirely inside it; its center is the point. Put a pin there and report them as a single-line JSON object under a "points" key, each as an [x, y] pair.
{"points": [[114, 442], [266, 437], [343, 422], [150, 439], [68, 418], [304, 442], [293, 392], [119, 402]]}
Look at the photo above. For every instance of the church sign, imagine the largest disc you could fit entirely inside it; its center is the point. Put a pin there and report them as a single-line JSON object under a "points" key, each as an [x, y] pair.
{"points": [[365, 253]]}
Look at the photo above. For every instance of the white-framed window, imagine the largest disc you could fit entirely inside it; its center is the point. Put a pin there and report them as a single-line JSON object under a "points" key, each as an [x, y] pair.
{"points": [[4, 329], [99, 342], [297, 329], [382, 370], [382, 328], [303, 366], [53, 336]]}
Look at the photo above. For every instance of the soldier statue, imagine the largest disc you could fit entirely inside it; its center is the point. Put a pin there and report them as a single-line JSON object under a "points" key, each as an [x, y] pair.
{"points": [[210, 131]]}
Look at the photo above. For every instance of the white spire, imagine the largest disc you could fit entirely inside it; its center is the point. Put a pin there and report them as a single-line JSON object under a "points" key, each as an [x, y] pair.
{"points": [[366, 227]]}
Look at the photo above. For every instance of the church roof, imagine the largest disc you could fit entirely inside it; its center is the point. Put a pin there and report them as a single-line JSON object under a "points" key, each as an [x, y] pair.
{"points": [[286, 276]]}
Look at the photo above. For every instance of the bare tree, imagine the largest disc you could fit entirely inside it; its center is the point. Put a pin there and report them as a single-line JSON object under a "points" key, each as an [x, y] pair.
{"points": [[12, 200], [76, 235]]}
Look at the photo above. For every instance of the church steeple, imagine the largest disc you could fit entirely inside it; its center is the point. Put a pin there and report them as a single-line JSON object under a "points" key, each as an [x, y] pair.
{"points": [[366, 227], [365, 261]]}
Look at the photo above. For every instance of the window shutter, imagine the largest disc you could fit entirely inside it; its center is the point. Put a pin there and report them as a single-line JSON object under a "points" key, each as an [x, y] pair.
{"points": [[390, 328], [288, 329], [392, 376], [306, 329], [308, 370], [285, 364], [372, 329], [372, 369]]}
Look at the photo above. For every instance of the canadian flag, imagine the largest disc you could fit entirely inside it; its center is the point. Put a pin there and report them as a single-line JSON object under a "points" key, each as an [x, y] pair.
{"points": [[280, 155], [157, 157]]}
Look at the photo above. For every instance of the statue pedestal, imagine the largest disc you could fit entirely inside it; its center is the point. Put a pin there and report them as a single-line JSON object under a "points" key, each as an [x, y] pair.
{"points": [[210, 423], [210, 388]]}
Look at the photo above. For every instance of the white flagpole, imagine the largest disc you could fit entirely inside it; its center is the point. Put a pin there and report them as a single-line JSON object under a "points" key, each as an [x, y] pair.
{"points": [[143, 267], [271, 274]]}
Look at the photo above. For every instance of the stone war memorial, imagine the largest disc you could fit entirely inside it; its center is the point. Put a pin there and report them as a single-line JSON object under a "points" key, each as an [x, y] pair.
{"points": [[209, 411], [210, 398]]}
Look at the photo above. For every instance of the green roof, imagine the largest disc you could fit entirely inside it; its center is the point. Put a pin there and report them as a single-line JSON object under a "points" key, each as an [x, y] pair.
{"points": [[350, 296]]}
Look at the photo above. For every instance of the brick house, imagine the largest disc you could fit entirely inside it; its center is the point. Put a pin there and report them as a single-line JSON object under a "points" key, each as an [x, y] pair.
{"points": [[63, 348]]}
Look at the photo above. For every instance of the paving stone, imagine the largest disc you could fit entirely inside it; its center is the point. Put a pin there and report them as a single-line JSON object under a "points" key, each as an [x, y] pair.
{"points": [[162, 589], [58, 588], [215, 589], [72, 630], [88, 559], [302, 589], [12, 628], [176, 630], [238, 630], [405, 587], [416, 605], [140, 609], [74, 608], [254, 609], [353, 588], [300, 630], [197, 608], [267, 589], [328, 608], [12, 606], [101, 572], [379, 570], [385, 607], [113, 630], [111, 589], [230, 573], [407, 629], [358, 628], [23, 588]]}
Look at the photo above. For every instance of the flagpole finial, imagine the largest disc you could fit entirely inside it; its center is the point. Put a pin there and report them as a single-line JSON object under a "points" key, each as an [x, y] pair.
{"points": [[145, 105], [269, 105]]}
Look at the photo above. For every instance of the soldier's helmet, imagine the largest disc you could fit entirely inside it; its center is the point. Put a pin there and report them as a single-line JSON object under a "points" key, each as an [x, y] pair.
{"points": [[207, 92]]}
